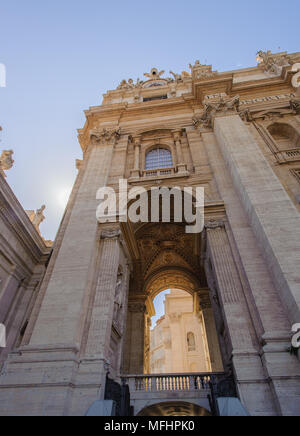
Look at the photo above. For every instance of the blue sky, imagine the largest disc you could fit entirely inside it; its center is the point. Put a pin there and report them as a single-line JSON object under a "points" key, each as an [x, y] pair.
{"points": [[159, 307], [61, 56]]}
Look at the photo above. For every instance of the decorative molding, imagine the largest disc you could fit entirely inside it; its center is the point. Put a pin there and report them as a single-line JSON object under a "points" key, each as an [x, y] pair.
{"points": [[267, 99]]}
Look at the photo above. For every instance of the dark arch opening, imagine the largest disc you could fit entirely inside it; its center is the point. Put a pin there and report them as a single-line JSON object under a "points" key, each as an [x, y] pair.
{"points": [[176, 408]]}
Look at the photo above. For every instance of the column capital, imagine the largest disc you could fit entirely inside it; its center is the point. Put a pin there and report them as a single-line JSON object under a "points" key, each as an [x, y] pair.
{"points": [[110, 233], [218, 107], [295, 104], [102, 136], [177, 134], [218, 224], [136, 139], [205, 302]]}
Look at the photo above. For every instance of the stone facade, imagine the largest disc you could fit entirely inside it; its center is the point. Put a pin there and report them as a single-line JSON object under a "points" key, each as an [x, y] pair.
{"points": [[23, 258], [236, 134]]}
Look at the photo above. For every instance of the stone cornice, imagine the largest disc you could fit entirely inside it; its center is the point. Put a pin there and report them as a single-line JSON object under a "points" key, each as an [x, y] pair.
{"points": [[19, 223], [247, 82]]}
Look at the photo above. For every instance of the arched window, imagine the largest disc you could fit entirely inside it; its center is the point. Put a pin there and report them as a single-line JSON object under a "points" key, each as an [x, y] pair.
{"points": [[285, 136], [159, 158], [191, 341]]}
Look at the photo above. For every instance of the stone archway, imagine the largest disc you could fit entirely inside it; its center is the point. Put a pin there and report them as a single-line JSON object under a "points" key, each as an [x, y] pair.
{"points": [[166, 257]]}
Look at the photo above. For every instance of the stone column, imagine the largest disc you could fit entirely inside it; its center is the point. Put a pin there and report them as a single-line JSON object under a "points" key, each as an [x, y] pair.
{"points": [[245, 358], [270, 212], [137, 145], [206, 312], [102, 351], [135, 336], [181, 166]]}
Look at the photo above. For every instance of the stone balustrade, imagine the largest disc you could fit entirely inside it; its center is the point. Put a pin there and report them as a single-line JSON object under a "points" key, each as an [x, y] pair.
{"points": [[171, 382]]}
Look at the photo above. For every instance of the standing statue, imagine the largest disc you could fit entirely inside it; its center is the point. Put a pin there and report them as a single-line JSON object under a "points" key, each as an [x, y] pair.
{"points": [[38, 217], [6, 161], [118, 302]]}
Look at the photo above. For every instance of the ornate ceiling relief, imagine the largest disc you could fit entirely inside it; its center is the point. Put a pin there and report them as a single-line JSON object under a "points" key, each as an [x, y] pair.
{"points": [[167, 258]]}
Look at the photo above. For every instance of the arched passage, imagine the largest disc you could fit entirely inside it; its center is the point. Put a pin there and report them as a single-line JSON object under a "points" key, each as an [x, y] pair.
{"points": [[168, 265], [176, 408]]}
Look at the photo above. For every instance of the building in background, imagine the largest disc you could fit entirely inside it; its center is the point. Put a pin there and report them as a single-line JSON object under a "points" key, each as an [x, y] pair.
{"points": [[23, 258], [178, 342]]}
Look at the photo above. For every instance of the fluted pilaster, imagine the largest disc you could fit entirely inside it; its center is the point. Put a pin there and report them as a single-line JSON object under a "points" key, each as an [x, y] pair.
{"points": [[103, 307]]}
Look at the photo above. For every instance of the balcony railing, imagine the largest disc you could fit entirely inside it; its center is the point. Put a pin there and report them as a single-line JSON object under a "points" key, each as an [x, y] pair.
{"points": [[159, 172], [290, 155], [171, 382]]}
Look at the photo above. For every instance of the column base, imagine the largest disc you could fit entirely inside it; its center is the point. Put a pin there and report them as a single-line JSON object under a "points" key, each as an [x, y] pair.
{"points": [[135, 174], [50, 381], [181, 168]]}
